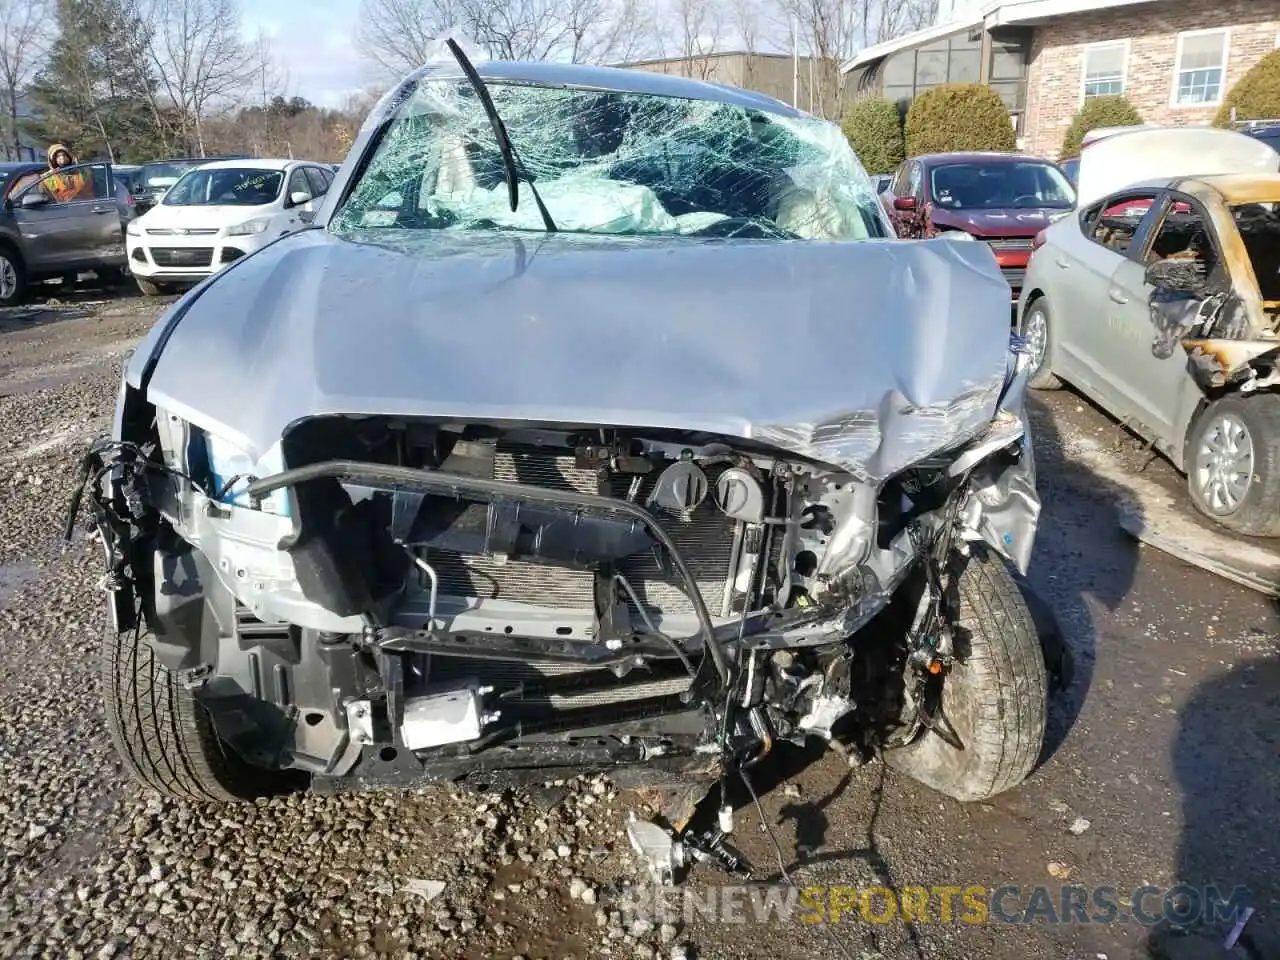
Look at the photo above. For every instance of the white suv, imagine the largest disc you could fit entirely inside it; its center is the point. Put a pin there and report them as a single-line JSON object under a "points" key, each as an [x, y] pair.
{"points": [[217, 213]]}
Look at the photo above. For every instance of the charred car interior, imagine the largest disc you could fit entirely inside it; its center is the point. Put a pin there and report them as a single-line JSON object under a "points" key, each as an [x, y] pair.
{"points": [[513, 565]]}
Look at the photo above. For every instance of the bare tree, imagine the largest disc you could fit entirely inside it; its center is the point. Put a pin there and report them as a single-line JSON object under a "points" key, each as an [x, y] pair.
{"points": [[23, 39], [610, 31], [900, 17], [745, 18], [203, 64], [828, 32], [396, 35], [270, 77], [269, 85], [700, 28], [518, 29]]}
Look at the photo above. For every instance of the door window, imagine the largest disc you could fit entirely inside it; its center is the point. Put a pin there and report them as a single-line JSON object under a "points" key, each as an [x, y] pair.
{"points": [[1114, 222], [74, 184], [1184, 234], [913, 187], [316, 178], [298, 182], [899, 184]]}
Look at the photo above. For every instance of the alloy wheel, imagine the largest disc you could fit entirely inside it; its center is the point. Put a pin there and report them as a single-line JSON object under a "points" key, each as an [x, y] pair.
{"points": [[1036, 332], [8, 278], [1224, 464]]}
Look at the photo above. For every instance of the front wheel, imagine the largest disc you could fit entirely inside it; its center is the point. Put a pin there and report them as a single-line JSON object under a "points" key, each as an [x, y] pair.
{"points": [[1037, 331], [995, 696], [164, 738], [1233, 464], [13, 281]]}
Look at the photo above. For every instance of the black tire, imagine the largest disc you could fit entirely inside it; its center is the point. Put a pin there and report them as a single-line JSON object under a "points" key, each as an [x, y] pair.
{"points": [[164, 738], [1258, 513], [150, 288], [14, 262], [995, 696], [1042, 376]]}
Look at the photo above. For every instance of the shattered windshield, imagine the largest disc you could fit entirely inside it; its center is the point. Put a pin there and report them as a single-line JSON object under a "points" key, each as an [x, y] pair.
{"points": [[611, 163]]}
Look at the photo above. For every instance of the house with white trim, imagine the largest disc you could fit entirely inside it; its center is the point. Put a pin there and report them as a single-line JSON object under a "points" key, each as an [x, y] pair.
{"points": [[1173, 59]]}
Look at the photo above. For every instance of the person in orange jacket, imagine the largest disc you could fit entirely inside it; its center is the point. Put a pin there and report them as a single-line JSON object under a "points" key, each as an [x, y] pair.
{"points": [[64, 186]]}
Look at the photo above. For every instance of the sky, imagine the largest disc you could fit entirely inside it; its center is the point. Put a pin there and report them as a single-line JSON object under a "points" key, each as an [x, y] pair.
{"points": [[313, 41]]}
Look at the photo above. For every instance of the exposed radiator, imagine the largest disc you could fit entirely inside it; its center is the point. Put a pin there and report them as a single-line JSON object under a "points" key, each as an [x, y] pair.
{"points": [[704, 538]]}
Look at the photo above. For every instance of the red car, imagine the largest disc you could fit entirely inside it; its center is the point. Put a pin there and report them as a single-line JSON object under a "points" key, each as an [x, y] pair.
{"points": [[1004, 199]]}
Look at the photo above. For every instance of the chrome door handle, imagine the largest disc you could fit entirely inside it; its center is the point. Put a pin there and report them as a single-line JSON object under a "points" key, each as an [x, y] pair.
{"points": [[1064, 264], [1116, 296], [100, 212]]}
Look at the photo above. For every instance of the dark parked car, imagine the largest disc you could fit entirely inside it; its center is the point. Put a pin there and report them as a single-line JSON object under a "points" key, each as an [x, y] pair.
{"points": [[1004, 199], [149, 184], [1268, 131], [42, 237]]}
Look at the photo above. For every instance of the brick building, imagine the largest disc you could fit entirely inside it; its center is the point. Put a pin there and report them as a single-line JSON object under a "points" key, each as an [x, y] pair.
{"points": [[1174, 60]]}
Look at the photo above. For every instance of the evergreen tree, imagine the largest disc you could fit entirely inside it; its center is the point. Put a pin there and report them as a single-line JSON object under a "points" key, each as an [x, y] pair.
{"points": [[94, 92]]}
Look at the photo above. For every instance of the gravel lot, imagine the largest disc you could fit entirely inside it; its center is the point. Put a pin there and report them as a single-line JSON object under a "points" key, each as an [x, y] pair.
{"points": [[1167, 745]]}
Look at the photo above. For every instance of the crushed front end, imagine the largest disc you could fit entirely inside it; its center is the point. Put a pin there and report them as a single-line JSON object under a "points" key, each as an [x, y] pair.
{"points": [[391, 600]]}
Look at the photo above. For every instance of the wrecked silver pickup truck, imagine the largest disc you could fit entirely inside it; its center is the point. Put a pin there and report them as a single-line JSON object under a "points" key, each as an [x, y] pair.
{"points": [[598, 423]]}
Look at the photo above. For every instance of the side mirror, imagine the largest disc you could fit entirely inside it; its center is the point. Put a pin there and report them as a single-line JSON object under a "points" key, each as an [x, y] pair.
{"points": [[904, 203], [298, 198], [32, 199], [1177, 276]]}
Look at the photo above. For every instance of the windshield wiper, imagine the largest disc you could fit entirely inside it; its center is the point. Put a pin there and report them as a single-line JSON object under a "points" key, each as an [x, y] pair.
{"points": [[513, 168]]}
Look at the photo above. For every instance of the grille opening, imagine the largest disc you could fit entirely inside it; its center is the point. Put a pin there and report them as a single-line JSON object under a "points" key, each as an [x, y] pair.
{"points": [[182, 256], [704, 536]]}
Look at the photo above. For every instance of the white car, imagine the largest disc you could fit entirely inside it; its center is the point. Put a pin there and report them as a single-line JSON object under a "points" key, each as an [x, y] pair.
{"points": [[217, 213]]}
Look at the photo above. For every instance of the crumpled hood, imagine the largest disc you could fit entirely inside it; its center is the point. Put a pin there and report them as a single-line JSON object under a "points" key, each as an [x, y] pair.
{"points": [[864, 355], [1014, 222]]}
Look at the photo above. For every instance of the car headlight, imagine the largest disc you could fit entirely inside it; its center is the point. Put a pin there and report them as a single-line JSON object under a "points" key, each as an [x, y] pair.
{"points": [[230, 469], [132, 229], [249, 227]]}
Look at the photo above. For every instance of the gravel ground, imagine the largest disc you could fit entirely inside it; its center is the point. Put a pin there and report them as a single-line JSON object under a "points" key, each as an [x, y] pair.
{"points": [[1162, 766]]}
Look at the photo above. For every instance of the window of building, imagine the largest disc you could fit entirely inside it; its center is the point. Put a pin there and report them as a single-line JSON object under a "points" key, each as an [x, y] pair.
{"points": [[1102, 71], [1199, 68], [931, 67], [953, 59]]}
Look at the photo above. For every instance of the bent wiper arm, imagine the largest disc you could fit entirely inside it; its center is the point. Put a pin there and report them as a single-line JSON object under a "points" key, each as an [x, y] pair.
{"points": [[513, 168]]}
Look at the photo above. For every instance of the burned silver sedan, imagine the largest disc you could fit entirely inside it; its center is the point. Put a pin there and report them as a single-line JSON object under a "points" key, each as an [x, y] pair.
{"points": [[597, 424]]}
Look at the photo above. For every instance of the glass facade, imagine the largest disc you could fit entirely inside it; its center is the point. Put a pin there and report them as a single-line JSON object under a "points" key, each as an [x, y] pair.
{"points": [[954, 59], [958, 59]]}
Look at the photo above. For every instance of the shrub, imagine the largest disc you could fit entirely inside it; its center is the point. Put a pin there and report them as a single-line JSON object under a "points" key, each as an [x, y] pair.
{"points": [[1256, 96], [1097, 112], [874, 128], [958, 116]]}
